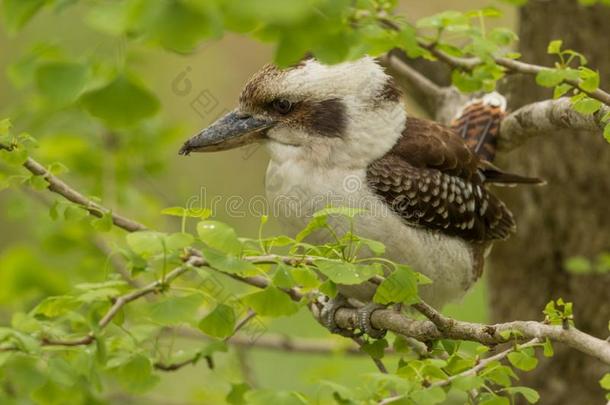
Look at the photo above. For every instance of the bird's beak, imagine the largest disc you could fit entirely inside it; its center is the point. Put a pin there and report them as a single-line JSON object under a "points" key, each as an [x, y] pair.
{"points": [[231, 131]]}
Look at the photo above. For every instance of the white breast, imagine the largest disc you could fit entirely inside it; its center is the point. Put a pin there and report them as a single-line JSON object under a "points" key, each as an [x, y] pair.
{"points": [[297, 189]]}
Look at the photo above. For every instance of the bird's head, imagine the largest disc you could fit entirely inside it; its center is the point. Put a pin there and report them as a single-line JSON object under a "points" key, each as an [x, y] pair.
{"points": [[347, 114]]}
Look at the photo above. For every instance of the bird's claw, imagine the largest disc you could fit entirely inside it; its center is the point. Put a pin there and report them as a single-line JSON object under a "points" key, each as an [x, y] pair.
{"points": [[364, 320], [327, 316]]}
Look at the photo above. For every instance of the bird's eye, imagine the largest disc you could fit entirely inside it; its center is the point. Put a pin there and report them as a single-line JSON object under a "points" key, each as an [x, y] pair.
{"points": [[282, 105]]}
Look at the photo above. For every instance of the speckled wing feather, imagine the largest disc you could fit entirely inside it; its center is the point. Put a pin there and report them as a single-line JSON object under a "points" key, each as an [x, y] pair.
{"points": [[433, 180]]}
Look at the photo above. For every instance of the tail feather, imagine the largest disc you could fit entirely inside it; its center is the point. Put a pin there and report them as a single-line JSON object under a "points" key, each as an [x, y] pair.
{"points": [[478, 123], [495, 175]]}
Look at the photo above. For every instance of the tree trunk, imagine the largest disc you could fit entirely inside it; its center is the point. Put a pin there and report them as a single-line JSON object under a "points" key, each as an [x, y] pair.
{"points": [[568, 217]]}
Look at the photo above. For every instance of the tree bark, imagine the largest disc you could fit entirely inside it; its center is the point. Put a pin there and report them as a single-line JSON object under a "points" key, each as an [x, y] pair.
{"points": [[568, 217]]}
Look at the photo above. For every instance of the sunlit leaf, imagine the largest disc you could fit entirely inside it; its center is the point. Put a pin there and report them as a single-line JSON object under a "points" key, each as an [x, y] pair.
{"points": [[523, 360], [399, 286], [219, 236], [227, 263], [271, 302], [219, 323], [529, 394], [346, 273], [176, 310], [136, 375], [145, 243]]}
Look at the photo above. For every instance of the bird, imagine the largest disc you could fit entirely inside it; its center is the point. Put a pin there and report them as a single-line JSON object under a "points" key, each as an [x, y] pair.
{"points": [[341, 132]]}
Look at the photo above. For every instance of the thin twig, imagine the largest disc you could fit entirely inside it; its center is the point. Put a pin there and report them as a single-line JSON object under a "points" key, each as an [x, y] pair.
{"points": [[56, 185], [485, 362], [512, 66], [429, 92]]}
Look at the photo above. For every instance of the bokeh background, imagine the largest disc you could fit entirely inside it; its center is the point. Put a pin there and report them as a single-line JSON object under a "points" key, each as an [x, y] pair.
{"points": [[36, 254]]}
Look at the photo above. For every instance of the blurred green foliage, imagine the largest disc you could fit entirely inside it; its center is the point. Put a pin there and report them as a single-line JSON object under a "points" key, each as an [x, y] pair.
{"points": [[98, 120]]}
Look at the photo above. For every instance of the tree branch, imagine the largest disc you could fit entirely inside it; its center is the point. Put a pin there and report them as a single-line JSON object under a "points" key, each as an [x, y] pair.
{"points": [[546, 118], [57, 186], [424, 88], [436, 327]]}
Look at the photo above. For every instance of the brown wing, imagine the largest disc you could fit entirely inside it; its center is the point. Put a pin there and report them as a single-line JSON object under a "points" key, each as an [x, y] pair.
{"points": [[427, 144], [431, 179]]}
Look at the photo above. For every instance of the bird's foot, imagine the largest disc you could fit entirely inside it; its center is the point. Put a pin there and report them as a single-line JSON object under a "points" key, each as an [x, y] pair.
{"points": [[364, 320], [327, 315]]}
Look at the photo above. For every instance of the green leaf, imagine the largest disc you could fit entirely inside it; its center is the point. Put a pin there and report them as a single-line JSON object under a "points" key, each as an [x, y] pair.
{"points": [[550, 77], [102, 285], [399, 286], [305, 277], [202, 213], [376, 348], [529, 394], [468, 382], [605, 381], [175, 310], [180, 25], [120, 103], [346, 273], [431, 396], [561, 89], [347, 212], [178, 241], [271, 302], [218, 323], [236, 395], [282, 277], [266, 397], [328, 288], [465, 82], [523, 360], [607, 132], [315, 224], [554, 47], [136, 375], [586, 105], [75, 213], [491, 399], [219, 236], [37, 182], [145, 243], [499, 374], [61, 82], [104, 223], [53, 307], [18, 12], [15, 157], [589, 79], [376, 247], [227, 263], [578, 265], [548, 348]]}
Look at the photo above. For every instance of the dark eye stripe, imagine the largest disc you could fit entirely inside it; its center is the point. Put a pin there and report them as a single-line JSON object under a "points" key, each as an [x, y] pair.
{"points": [[329, 117]]}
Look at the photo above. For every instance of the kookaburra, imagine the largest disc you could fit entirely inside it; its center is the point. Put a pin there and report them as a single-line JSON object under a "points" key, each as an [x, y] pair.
{"points": [[340, 132]]}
